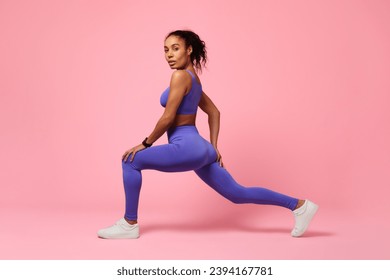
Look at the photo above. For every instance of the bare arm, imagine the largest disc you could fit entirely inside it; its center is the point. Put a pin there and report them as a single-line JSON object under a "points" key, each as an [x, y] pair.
{"points": [[213, 113], [179, 84], [207, 106]]}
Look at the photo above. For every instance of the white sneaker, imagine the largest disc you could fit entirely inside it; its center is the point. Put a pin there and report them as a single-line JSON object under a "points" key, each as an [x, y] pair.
{"points": [[121, 229], [303, 215]]}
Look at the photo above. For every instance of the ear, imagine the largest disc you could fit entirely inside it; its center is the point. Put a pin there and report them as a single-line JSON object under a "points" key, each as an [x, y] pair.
{"points": [[189, 50]]}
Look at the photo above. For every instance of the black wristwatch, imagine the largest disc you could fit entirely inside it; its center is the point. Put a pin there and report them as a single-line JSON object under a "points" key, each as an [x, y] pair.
{"points": [[146, 144]]}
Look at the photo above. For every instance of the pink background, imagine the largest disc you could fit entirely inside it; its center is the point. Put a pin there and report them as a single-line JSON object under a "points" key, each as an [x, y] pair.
{"points": [[304, 91]]}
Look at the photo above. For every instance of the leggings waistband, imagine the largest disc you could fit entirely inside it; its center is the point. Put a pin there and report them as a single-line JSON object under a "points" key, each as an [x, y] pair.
{"points": [[181, 129]]}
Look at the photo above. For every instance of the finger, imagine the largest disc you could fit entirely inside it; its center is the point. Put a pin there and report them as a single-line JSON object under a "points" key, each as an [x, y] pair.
{"points": [[219, 161], [132, 156], [127, 155]]}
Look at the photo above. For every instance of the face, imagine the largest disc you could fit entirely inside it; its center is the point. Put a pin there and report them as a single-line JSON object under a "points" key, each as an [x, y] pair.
{"points": [[176, 53]]}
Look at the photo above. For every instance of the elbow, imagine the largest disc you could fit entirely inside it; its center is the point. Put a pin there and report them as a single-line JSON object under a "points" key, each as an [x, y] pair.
{"points": [[216, 113]]}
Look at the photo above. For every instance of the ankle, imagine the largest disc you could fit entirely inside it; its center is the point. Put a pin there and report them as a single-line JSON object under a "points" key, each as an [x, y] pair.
{"points": [[299, 204], [131, 222]]}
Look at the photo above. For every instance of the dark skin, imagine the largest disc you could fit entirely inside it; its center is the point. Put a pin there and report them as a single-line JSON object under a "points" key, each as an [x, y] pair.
{"points": [[178, 57]]}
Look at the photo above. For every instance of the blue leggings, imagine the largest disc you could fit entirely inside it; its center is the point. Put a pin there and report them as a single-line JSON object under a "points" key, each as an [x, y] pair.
{"points": [[188, 150]]}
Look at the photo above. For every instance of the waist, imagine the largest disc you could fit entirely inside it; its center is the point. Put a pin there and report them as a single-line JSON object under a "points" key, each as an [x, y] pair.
{"points": [[181, 130], [184, 120]]}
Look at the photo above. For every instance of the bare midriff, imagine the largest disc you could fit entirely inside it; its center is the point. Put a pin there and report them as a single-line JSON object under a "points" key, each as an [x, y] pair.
{"points": [[184, 120]]}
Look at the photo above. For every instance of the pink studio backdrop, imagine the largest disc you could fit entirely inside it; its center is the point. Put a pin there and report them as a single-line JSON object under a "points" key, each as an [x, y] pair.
{"points": [[304, 91]]}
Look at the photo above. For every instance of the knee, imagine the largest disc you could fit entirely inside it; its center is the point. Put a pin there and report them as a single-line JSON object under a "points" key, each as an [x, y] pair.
{"points": [[128, 166]]}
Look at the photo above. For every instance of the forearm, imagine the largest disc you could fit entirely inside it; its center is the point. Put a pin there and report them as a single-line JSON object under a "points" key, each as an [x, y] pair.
{"points": [[161, 127], [214, 123]]}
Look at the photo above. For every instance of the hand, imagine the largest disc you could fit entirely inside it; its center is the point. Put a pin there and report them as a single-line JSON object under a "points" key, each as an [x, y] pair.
{"points": [[219, 157], [132, 151]]}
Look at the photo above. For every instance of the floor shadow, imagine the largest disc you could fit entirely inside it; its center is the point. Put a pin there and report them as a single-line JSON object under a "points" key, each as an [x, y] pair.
{"points": [[232, 220], [226, 227], [310, 233], [202, 227]]}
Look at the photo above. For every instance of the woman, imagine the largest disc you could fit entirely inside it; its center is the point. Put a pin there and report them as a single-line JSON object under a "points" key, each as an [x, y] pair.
{"points": [[187, 150]]}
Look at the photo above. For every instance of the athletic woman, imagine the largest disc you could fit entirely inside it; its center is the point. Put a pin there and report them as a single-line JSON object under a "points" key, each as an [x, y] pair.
{"points": [[187, 149]]}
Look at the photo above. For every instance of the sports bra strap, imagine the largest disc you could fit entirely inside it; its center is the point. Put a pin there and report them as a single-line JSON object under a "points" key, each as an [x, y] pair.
{"points": [[192, 75]]}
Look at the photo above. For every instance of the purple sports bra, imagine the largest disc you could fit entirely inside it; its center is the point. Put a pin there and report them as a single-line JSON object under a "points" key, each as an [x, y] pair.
{"points": [[190, 102]]}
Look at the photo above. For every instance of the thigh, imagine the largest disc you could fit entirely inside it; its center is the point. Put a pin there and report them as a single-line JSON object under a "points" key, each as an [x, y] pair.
{"points": [[159, 157], [170, 158]]}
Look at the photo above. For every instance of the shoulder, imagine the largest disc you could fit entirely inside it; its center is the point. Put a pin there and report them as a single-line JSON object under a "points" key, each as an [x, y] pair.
{"points": [[181, 76]]}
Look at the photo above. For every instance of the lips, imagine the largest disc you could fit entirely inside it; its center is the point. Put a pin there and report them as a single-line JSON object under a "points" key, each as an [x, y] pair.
{"points": [[171, 62]]}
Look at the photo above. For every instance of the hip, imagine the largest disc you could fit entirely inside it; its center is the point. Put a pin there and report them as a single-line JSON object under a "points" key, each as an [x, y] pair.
{"points": [[186, 138]]}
